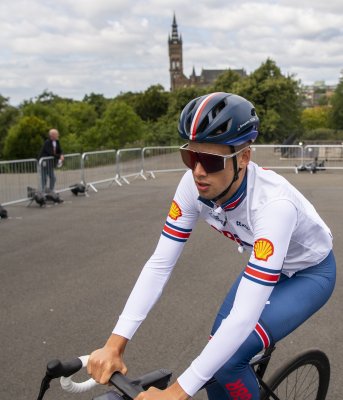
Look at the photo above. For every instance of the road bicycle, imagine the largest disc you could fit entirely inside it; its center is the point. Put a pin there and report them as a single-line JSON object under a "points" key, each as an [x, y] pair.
{"points": [[304, 377]]}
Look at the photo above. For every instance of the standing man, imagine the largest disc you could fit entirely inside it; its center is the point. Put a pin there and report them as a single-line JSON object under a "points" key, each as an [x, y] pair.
{"points": [[51, 148]]}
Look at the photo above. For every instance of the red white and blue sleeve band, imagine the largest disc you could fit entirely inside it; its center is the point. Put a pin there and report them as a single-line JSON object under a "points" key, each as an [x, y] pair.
{"points": [[261, 275], [176, 233]]}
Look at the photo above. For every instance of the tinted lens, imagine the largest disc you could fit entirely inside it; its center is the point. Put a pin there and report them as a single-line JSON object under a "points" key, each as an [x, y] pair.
{"points": [[210, 162], [189, 158]]}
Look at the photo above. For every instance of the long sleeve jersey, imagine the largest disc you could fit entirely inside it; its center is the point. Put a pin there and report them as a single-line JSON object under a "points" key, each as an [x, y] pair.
{"points": [[268, 217]]}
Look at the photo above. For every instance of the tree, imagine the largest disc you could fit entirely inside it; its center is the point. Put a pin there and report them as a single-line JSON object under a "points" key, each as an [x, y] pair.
{"points": [[336, 119], [98, 101], [181, 97], [151, 104], [25, 138], [45, 112], [8, 116], [77, 116], [119, 127], [276, 100], [47, 97], [226, 81], [314, 118], [163, 132]]}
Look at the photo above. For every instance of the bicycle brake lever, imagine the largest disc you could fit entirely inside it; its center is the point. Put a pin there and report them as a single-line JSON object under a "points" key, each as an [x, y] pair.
{"points": [[45, 385], [56, 369]]}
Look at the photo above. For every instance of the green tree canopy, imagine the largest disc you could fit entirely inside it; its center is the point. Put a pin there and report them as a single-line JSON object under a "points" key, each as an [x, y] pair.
{"points": [[163, 132], [151, 104], [119, 127], [8, 116], [45, 112], [77, 116], [98, 101], [314, 118], [276, 100], [225, 81], [181, 97], [25, 138], [337, 107]]}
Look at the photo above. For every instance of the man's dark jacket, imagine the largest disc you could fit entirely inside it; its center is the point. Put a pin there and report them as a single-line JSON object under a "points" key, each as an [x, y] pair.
{"points": [[48, 150]]}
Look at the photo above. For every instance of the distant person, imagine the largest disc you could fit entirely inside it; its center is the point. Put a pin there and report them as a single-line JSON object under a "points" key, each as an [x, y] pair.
{"points": [[51, 148]]}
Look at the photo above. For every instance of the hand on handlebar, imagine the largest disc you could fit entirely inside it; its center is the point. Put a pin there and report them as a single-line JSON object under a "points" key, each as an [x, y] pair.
{"points": [[173, 392], [108, 359]]}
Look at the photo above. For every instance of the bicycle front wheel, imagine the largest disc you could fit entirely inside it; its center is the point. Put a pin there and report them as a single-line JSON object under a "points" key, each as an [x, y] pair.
{"points": [[305, 377]]}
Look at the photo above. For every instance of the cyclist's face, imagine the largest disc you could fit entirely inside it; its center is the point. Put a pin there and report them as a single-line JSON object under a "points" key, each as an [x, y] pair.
{"points": [[211, 185]]}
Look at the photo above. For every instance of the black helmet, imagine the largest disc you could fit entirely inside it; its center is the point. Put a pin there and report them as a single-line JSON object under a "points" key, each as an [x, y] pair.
{"points": [[221, 118]]}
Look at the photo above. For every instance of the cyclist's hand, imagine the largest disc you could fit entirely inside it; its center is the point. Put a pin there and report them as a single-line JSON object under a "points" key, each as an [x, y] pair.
{"points": [[173, 392], [103, 362]]}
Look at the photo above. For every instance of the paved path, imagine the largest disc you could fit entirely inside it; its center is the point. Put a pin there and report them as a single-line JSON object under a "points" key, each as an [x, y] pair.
{"points": [[66, 270]]}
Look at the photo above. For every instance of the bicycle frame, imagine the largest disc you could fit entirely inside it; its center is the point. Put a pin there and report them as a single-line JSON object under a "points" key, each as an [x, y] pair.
{"points": [[259, 363]]}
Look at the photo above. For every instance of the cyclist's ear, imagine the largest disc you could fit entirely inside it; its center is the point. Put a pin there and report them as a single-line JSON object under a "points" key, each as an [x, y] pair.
{"points": [[244, 157]]}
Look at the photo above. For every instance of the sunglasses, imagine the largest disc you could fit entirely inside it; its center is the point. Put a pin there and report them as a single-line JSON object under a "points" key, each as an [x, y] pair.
{"points": [[209, 161]]}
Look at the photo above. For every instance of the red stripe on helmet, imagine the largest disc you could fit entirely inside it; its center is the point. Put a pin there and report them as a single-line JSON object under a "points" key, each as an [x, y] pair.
{"points": [[198, 115]]}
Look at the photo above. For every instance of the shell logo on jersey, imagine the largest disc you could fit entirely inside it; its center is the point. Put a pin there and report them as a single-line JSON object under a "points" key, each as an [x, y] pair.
{"points": [[175, 211], [263, 249]]}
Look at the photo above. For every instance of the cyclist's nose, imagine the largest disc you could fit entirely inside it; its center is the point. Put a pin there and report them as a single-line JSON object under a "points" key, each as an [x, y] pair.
{"points": [[199, 170]]}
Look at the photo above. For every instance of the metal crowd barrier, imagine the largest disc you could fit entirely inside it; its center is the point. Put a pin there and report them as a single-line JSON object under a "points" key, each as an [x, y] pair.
{"points": [[99, 167], [93, 168], [15, 178], [66, 176], [326, 156], [129, 164], [161, 159], [277, 156]]}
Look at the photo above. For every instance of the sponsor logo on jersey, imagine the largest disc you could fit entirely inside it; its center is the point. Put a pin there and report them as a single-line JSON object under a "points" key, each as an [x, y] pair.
{"points": [[239, 223], [175, 211], [232, 236], [263, 249], [238, 391], [218, 217]]}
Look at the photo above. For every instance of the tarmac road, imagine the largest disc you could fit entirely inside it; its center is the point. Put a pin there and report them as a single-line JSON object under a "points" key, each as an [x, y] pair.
{"points": [[66, 271]]}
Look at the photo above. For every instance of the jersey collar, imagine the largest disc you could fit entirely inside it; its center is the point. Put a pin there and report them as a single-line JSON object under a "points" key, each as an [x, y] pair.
{"points": [[234, 201]]}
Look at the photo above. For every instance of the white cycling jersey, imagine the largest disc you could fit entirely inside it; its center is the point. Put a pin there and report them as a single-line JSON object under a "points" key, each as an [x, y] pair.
{"points": [[268, 217]]}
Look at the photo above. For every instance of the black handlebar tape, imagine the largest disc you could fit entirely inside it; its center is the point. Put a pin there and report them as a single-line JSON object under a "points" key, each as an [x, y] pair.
{"points": [[56, 368], [125, 385]]}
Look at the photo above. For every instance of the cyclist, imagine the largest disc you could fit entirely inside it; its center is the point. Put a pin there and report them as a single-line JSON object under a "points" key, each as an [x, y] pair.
{"points": [[291, 269]]}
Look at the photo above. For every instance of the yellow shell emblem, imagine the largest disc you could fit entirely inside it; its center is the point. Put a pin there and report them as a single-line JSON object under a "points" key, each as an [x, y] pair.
{"points": [[175, 211], [263, 249]]}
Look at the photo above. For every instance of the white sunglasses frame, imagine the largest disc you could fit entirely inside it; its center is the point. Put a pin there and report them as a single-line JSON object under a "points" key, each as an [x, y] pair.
{"points": [[225, 157]]}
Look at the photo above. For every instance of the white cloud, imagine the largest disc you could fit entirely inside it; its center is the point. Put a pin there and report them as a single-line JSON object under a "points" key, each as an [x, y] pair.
{"points": [[73, 47]]}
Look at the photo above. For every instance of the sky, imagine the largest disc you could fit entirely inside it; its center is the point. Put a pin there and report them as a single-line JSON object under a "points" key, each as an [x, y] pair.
{"points": [[77, 47]]}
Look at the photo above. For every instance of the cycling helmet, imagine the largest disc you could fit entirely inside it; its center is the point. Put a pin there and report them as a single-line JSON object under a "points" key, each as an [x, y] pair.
{"points": [[222, 118]]}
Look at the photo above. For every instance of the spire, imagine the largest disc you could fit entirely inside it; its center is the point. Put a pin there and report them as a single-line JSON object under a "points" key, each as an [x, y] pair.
{"points": [[175, 34], [174, 20]]}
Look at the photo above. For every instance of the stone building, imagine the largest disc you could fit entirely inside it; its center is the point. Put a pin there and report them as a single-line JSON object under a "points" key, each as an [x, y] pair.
{"points": [[177, 77]]}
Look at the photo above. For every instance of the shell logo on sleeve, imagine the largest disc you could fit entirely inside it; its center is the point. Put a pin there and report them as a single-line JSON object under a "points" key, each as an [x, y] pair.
{"points": [[175, 211], [263, 249]]}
